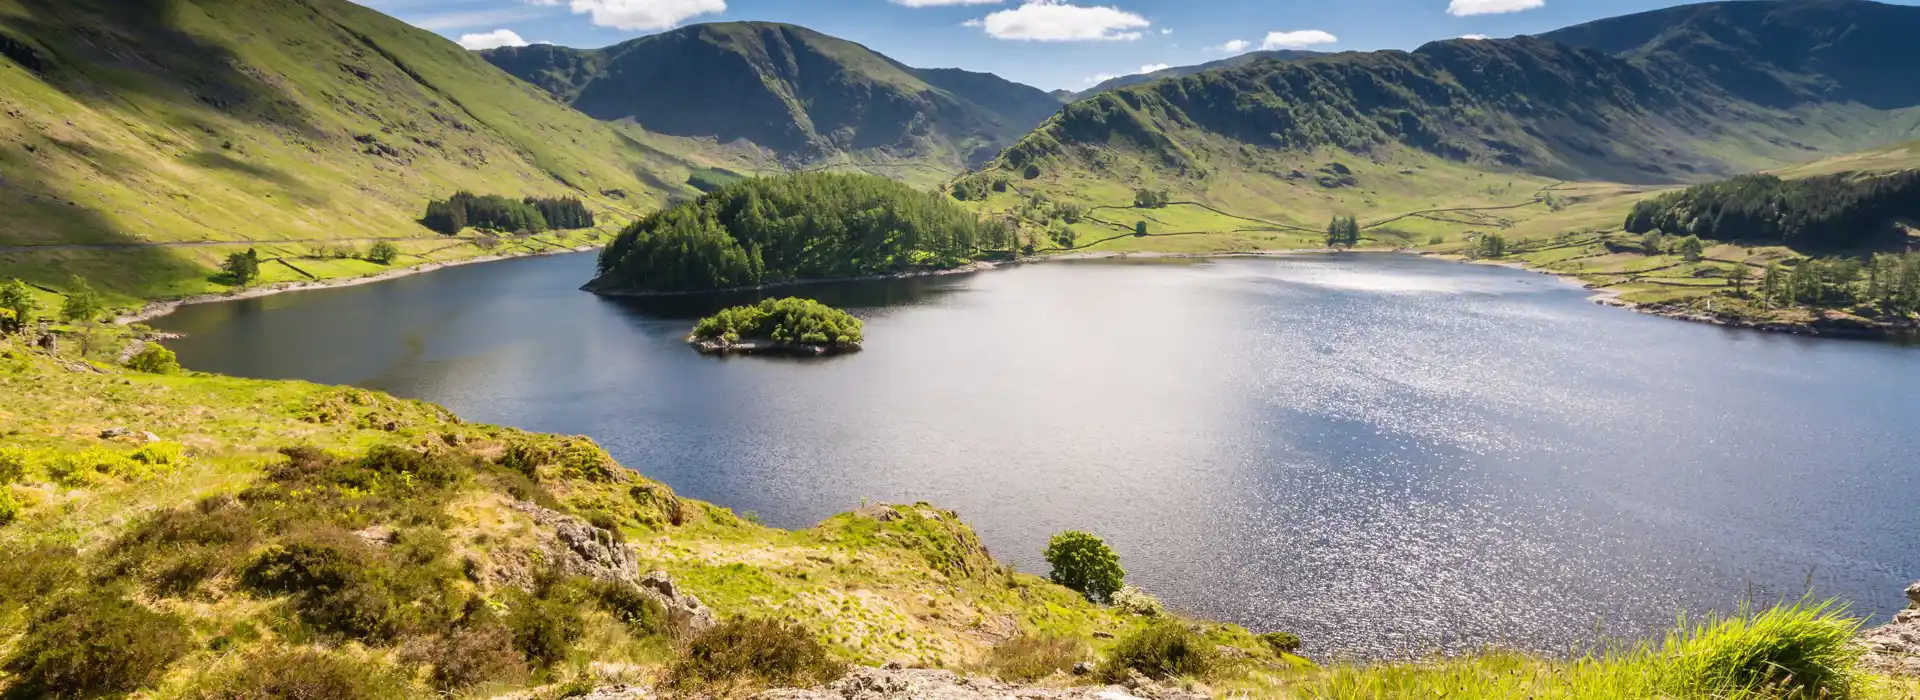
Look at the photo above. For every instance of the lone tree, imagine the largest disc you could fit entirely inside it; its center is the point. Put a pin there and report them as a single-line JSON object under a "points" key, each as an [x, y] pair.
{"points": [[242, 268], [83, 304], [1140, 229], [1084, 563], [1691, 248], [17, 303], [383, 253], [1738, 277], [1344, 231], [1491, 245]]}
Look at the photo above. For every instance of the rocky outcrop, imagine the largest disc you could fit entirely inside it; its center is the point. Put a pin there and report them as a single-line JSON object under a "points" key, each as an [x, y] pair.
{"points": [[921, 684], [924, 684], [1895, 648], [577, 548], [713, 346]]}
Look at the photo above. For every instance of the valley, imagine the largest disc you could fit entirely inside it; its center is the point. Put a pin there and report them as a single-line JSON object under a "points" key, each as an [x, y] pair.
{"points": [[1171, 386]]}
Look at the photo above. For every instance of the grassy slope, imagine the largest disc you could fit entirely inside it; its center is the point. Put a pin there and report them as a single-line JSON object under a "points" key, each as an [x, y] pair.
{"points": [[915, 589], [250, 120]]}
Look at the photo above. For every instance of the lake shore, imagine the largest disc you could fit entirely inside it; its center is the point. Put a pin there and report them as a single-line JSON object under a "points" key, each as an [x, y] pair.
{"points": [[157, 309], [969, 268]]}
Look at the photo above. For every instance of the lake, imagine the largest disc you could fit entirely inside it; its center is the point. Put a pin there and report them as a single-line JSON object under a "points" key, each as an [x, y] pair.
{"points": [[1386, 454]]}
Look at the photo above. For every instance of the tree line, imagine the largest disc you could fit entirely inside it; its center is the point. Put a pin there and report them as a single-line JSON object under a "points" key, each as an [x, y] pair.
{"points": [[800, 226], [1828, 212], [1888, 281], [496, 213]]}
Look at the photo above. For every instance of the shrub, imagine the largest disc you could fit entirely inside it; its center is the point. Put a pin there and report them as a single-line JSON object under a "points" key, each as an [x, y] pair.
{"points": [[1029, 657], [1165, 650], [93, 466], [32, 574], [641, 613], [383, 253], [331, 578], [14, 464], [175, 550], [9, 506], [95, 643], [792, 319], [302, 674], [746, 653], [1804, 649], [477, 653], [154, 359], [1084, 563], [1134, 601], [544, 629], [1281, 642]]}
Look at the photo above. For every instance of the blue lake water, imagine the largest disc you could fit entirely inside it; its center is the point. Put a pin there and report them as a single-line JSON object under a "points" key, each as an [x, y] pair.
{"points": [[1386, 454]]}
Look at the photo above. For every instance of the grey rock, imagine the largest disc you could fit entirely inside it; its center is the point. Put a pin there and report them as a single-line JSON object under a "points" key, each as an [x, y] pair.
{"points": [[578, 548], [112, 433], [1895, 649], [1083, 668], [1913, 594]]}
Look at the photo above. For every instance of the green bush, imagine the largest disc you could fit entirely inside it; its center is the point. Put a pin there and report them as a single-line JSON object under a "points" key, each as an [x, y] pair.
{"points": [[32, 574], [93, 466], [94, 643], [302, 674], [747, 653], [1163, 651], [175, 550], [1801, 650], [787, 320], [383, 253], [333, 581], [9, 506], [1030, 657], [544, 628], [154, 359], [15, 463], [642, 614], [1084, 563], [1281, 642]]}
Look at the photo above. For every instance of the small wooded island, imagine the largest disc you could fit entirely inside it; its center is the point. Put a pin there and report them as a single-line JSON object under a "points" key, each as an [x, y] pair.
{"points": [[790, 326], [776, 230]]}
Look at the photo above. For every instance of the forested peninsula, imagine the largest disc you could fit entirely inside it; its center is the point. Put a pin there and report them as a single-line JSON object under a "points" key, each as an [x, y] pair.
{"points": [[806, 226]]}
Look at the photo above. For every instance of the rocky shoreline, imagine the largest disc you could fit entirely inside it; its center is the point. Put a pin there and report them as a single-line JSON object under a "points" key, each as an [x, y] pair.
{"points": [[969, 268], [1895, 649], [714, 346], [157, 309]]}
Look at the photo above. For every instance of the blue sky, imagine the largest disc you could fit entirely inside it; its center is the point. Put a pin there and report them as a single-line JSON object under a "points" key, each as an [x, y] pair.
{"points": [[1045, 43]]}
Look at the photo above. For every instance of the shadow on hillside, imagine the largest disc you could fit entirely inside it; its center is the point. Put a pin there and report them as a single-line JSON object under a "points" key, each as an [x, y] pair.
{"points": [[41, 213], [98, 51], [287, 183]]}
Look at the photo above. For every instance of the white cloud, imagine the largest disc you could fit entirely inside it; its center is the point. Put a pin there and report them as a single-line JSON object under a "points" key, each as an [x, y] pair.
{"points": [[942, 3], [1236, 46], [1295, 40], [1168, 30], [1153, 68], [491, 40], [640, 15], [1467, 8], [1101, 78], [1475, 37], [1055, 20]]}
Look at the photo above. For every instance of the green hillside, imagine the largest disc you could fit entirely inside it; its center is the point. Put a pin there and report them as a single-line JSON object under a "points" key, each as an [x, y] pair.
{"points": [[300, 128], [1178, 71], [806, 98], [1282, 146]]}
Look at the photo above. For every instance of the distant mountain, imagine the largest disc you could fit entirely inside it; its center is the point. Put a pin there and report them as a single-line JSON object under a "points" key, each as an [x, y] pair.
{"points": [[243, 120], [806, 96], [1778, 54], [1178, 71], [1679, 95]]}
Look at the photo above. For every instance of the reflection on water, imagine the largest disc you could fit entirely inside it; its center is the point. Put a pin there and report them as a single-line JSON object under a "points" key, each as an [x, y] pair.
{"points": [[1386, 454]]}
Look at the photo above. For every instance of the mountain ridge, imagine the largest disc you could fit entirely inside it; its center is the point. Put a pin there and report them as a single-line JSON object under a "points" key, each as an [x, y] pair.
{"points": [[803, 95]]}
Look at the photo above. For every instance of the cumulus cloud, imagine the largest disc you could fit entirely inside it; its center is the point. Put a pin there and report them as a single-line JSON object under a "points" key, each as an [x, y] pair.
{"points": [[640, 15], [1235, 46], [491, 40], [1475, 37], [1468, 8], [1298, 39], [1153, 68], [943, 3], [1056, 20]]}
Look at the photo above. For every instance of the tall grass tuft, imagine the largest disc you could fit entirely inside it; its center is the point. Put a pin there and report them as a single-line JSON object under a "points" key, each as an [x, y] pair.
{"points": [[1803, 650]]}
